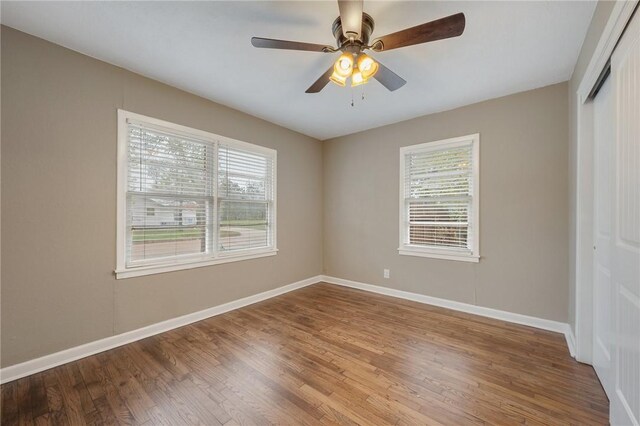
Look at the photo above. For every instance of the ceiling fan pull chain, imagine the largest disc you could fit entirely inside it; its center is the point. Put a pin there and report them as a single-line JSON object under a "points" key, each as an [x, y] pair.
{"points": [[352, 96]]}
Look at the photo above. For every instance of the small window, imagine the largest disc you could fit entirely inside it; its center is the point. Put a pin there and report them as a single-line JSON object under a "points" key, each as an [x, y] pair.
{"points": [[188, 198], [439, 214]]}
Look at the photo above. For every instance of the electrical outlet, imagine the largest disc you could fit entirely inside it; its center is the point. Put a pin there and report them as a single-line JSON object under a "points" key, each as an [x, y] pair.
{"points": [[386, 273]]}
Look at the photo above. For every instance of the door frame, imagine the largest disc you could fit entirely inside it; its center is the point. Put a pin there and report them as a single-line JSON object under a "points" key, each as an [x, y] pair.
{"points": [[582, 241]]}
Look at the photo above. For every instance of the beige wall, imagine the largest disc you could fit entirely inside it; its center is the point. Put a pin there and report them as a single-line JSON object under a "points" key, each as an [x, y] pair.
{"points": [[59, 195], [598, 22], [523, 205]]}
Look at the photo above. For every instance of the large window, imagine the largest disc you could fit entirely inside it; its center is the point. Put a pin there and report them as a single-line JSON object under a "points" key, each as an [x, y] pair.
{"points": [[188, 198], [439, 199]]}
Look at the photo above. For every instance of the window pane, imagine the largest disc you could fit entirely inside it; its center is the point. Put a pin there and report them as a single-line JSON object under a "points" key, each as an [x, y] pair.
{"points": [[245, 189], [439, 223], [438, 173], [169, 197], [244, 175], [163, 163], [177, 227], [436, 235], [243, 225], [438, 186]]}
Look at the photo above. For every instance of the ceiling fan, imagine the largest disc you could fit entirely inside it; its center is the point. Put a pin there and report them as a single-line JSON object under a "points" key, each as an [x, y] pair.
{"points": [[352, 30]]}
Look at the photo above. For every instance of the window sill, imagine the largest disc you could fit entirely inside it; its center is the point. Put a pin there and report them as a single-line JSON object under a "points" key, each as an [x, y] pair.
{"points": [[159, 269], [439, 254]]}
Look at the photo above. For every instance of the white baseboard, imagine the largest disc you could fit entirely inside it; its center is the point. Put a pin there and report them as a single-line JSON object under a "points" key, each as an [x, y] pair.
{"points": [[571, 340], [46, 362], [544, 324]]}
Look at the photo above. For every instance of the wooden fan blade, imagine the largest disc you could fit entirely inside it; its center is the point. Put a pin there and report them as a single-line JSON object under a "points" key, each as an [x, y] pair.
{"points": [[321, 82], [351, 18], [388, 78], [270, 43], [451, 26]]}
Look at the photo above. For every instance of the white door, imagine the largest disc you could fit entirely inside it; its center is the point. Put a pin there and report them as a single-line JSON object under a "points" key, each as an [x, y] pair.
{"points": [[603, 291], [625, 227]]}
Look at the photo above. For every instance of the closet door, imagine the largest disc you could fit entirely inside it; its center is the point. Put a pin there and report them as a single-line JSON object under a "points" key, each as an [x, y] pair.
{"points": [[603, 290], [625, 236]]}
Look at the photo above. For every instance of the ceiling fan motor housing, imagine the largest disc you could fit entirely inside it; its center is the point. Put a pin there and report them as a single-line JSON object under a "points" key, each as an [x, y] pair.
{"points": [[354, 46]]}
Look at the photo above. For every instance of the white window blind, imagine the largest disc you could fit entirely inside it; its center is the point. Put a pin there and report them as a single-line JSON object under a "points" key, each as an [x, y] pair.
{"points": [[172, 177], [439, 198], [245, 183], [189, 198]]}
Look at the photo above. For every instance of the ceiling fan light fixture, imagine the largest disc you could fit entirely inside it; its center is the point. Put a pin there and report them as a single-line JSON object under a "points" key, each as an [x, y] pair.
{"points": [[357, 78], [338, 79], [367, 66], [344, 65]]}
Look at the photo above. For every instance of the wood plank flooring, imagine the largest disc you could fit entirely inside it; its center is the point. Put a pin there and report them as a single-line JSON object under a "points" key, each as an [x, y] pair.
{"points": [[321, 355]]}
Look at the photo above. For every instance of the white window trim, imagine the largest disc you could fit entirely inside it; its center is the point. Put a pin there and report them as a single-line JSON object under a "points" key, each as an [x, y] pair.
{"points": [[196, 261], [436, 252]]}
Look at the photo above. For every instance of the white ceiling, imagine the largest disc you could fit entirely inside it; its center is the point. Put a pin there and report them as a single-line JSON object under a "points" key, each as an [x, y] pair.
{"points": [[204, 48]]}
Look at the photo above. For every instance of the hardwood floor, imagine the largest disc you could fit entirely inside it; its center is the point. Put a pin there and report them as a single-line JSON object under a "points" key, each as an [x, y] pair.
{"points": [[321, 355]]}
